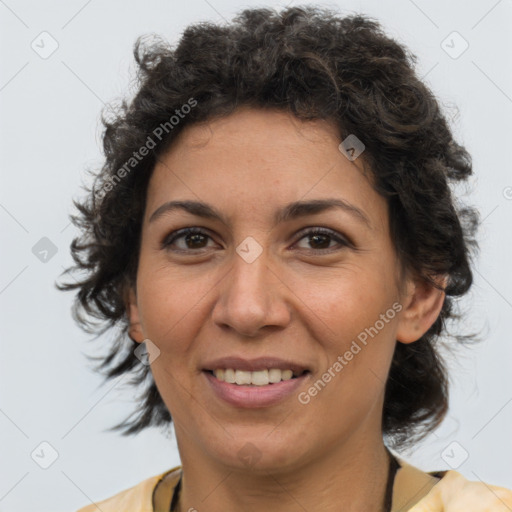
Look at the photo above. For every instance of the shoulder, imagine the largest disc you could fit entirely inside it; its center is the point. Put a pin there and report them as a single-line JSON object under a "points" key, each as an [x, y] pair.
{"points": [[138, 498], [411, 485], [437, 490]]}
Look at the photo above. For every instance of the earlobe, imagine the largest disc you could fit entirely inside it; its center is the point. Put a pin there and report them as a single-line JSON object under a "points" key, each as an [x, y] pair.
{"points": [[132, 309], [423, 305]]}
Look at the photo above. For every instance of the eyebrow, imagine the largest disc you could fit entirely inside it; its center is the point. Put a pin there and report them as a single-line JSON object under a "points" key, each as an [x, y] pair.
{"points": [[289, 212]]}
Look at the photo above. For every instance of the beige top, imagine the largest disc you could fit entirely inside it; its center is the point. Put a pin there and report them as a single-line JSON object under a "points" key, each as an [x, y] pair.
{"points": [[155, 493]]}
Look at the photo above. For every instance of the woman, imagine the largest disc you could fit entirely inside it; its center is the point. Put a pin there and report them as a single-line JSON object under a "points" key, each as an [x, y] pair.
{"points": [[274, 222]]}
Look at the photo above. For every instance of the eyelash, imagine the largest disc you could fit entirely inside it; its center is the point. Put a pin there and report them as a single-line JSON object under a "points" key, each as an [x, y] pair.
{"points": [[176, 235]]}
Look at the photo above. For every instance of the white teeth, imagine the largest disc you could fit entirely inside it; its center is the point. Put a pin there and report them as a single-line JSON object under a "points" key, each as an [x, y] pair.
{"points": [[229, 376], [260, 378], [257, 378], [242, 377], [286, 374], [274, 375]]}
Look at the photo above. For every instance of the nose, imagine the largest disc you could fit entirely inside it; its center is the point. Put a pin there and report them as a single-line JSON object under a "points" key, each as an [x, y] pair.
{"points": [[251, 298]]}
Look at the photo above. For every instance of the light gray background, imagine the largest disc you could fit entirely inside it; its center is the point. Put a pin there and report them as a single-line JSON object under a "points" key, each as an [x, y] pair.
{"points": [[50, 133]]}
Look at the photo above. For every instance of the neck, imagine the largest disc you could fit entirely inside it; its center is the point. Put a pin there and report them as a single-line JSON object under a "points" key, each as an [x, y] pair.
{"points": [[352, 477]]}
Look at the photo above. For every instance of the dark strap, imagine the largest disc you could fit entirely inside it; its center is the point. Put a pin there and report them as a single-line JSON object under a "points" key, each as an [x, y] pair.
{"points": [[394, 465], [176, 495], [411, 485]]}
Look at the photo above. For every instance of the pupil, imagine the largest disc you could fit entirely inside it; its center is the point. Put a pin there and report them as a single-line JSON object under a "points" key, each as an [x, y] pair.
{"points": [[316, 237], [195, 239]]}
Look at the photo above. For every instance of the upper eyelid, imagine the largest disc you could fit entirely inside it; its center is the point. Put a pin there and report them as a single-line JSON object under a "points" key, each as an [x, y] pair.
{"points": [[179, 233], [318, 229]]}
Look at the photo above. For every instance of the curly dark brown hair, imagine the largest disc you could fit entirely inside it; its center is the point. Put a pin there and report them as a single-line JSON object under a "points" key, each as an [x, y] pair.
{"points": [[317, 65]]}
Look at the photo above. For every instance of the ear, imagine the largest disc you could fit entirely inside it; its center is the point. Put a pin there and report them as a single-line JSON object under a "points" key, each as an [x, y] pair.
{"points": [[135, 330], [422, 304]]}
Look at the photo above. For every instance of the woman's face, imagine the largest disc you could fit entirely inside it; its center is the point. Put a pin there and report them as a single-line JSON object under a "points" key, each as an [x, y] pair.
{"points": [[254, 287]]}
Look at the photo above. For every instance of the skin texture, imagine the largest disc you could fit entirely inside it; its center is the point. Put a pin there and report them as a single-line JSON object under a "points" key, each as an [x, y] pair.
{"points": [[297, 301]]}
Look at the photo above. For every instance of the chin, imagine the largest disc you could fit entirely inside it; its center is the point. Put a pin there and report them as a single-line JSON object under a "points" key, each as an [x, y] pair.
{"points": [[259, 453]]}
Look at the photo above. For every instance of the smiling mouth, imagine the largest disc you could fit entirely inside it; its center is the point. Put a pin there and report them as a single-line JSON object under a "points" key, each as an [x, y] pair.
{"points": [[255, 378]]}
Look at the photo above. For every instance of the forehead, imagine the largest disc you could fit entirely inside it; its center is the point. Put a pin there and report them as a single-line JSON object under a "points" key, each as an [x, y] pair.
{"points": [[264, 123], [255, 159]]}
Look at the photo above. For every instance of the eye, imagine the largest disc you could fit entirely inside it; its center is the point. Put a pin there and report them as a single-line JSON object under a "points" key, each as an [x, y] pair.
{"points": [[321, 238], [192, 239], [196, 239]]}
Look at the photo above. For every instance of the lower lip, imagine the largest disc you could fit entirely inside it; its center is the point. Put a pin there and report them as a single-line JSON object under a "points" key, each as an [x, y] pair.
{"points": [[254, 396]]}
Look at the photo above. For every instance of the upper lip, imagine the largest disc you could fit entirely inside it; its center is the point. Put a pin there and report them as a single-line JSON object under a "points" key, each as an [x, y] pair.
{"points": [[253, 365]]}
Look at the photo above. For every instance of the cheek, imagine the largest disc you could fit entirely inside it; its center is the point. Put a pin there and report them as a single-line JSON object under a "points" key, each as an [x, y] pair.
{"points": [[169, 304], [355, 326], [351, 316], [346, 302]]}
